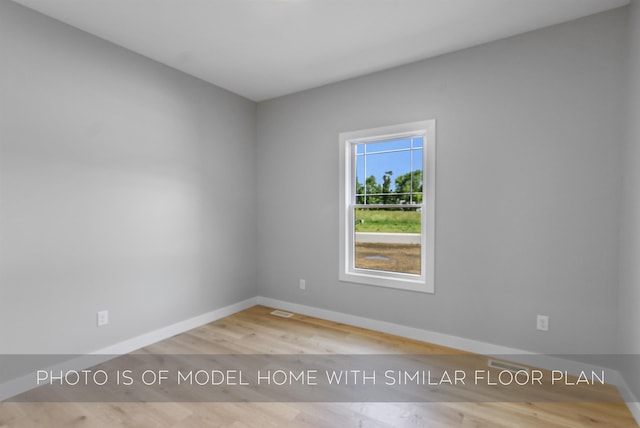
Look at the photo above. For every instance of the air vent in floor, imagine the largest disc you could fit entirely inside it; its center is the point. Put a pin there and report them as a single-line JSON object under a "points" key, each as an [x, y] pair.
{"points": [[282, 314], [502, 365]]}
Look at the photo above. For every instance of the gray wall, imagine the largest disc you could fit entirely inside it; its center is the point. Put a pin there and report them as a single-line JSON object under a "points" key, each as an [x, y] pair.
{"points": [[118, 181], [630, 230], [530, 134]]}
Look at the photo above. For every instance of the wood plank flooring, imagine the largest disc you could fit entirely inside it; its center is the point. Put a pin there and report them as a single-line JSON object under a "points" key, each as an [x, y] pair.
{"points": [[255, 331]]}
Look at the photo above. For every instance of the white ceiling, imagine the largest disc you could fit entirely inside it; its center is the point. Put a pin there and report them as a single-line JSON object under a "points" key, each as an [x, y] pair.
{"points": [[262, 49]]}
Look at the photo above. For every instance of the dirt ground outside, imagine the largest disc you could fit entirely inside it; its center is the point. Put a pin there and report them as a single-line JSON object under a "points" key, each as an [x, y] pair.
{"points": [[404, 258]]}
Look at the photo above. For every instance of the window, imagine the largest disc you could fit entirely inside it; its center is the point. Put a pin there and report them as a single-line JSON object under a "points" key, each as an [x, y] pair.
{"points": [[387, 206]]}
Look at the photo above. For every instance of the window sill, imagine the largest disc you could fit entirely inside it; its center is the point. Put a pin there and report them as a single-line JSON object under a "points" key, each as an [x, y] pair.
{"points": [[396, 281]]}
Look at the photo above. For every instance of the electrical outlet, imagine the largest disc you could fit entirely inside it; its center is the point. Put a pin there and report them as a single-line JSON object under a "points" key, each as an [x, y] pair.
{"points": [[542, 323], [103, 318], [303, 284]]}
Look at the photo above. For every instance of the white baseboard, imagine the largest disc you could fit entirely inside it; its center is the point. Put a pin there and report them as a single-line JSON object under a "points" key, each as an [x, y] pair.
{"points": [[27, 382], [150, 338], [474, 346], [629, 397], [634, 407], [447, 340], [516, 355]]}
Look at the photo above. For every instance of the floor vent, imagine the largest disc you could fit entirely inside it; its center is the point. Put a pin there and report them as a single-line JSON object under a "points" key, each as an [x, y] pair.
{"points": [[282, 314], [501, 365]]}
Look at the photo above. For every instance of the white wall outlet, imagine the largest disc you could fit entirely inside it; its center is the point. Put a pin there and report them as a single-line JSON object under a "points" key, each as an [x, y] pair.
{"points": [[103, 318], [303, 284], [542, 323]]}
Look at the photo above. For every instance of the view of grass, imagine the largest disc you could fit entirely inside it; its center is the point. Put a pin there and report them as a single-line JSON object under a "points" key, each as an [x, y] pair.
{"points": [[390, 221]]}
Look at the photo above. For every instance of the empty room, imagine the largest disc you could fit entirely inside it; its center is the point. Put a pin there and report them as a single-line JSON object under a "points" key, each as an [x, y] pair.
{"points": [[320, 213]]}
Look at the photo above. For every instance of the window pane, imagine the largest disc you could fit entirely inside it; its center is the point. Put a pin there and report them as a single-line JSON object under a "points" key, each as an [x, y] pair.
{"points": [[388, 177], [388, 145], [416, 178], [416, 159], [382, 169], [388, 239], [360, 180]]}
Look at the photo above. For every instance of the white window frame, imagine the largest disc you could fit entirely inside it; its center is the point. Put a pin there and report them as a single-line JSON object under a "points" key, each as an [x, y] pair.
{"points": [[425, 282]]}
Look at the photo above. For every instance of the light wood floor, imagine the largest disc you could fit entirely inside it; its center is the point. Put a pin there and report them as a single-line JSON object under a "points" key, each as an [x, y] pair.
{"points": [[255, 331]]}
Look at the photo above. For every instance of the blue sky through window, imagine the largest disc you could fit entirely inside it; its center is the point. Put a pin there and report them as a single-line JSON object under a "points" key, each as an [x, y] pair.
{"points": [[399, 156]]}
